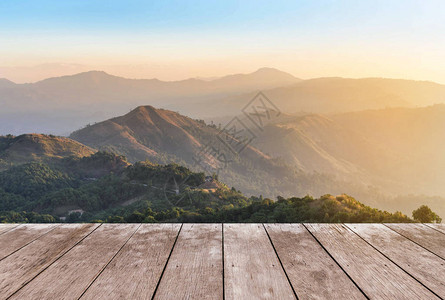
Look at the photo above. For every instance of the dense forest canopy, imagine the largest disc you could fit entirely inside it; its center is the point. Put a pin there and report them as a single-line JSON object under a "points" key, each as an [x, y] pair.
{"points": [[103, 187]]}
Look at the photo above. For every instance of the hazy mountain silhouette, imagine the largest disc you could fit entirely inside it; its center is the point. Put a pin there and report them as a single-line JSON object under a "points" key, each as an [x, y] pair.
{"points": [[62, 104], [330, 95], [415, 135], [397, 149], [5, 83], [91, 96]]}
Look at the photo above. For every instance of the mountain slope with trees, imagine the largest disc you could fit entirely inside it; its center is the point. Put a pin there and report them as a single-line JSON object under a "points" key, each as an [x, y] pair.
{"points": [[25, 148], [148, 192], [164, 136]]}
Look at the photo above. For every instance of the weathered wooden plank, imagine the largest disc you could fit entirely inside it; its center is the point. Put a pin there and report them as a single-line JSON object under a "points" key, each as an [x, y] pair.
{"points": [[20, 236], [136, 270], [311, 271], [252, 269], [69, 276], [420, 263], [6, 227], [425, 236], [377, 276], [438, 227], [195, 269], [22, 266]]}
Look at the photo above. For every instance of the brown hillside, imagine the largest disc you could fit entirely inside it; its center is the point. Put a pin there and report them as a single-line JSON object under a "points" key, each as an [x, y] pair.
{"points": [[149, 133], [144, 133], [39, 147]]}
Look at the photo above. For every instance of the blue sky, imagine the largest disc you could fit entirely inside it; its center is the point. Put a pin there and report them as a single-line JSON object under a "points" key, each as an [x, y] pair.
{"points": [[147, 16], [325, 38]]}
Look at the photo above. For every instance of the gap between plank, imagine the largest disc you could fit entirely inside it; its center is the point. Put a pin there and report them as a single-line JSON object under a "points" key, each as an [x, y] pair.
{"points": [[41, 271], [282, 267], [166, 263], [106, 265], [414, 242], [30, 242], [392, 261], [433, 228], [13, 227], [344, 271]]}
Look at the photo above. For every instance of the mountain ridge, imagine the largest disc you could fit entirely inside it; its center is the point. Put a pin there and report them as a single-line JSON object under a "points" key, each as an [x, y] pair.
{"points": [[372, 154], [38, 147], [331, 95], [63, 104], [99, 74], [60, 105], [6, 83]]}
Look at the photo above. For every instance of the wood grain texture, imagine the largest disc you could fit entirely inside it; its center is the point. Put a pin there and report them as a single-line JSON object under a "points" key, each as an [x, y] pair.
{"points": [[69, 276], [252, 269], [125, 261], [6, 227], [194, 270], [312, 272], [438, 227], [136, 270], [20, 236], [425, 236], [420, 263], [377, 276], [22, 266]]}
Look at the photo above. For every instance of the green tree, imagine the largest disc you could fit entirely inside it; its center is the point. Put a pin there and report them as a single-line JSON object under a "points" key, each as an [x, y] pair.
{"points": [[424, 214]]}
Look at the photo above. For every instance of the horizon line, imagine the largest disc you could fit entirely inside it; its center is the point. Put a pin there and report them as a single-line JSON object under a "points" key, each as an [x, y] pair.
{"points": [[211, 78]]}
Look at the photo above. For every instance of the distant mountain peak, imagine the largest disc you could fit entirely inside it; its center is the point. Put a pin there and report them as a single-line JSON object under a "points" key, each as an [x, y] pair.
{"points": [[6, 80], [263, 78], [6, 83], [87, 77], [265, 71], [268, 69], [144, 108], [146, 111], [93, 73]]}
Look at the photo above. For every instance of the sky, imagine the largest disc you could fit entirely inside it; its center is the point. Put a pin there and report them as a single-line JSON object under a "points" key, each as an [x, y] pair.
{"points": [[174, 40]]}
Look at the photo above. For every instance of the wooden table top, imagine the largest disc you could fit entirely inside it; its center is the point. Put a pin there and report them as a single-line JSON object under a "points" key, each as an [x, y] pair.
{"points": [[222, 261]]}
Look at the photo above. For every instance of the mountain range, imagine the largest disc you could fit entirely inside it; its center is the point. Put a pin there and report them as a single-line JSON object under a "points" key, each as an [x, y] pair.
{"points": [[373, 138], [398, 148], [61, 105], [327, 96], [310, 153], [164, 136]]}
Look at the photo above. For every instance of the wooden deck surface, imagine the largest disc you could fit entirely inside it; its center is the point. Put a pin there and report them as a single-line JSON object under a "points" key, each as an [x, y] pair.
{"points": [[222, 261]]}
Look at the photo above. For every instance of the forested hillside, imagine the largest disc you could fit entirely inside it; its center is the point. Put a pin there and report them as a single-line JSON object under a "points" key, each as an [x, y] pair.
{"points": [[104, 187], [164, 136], [15, 150]]}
